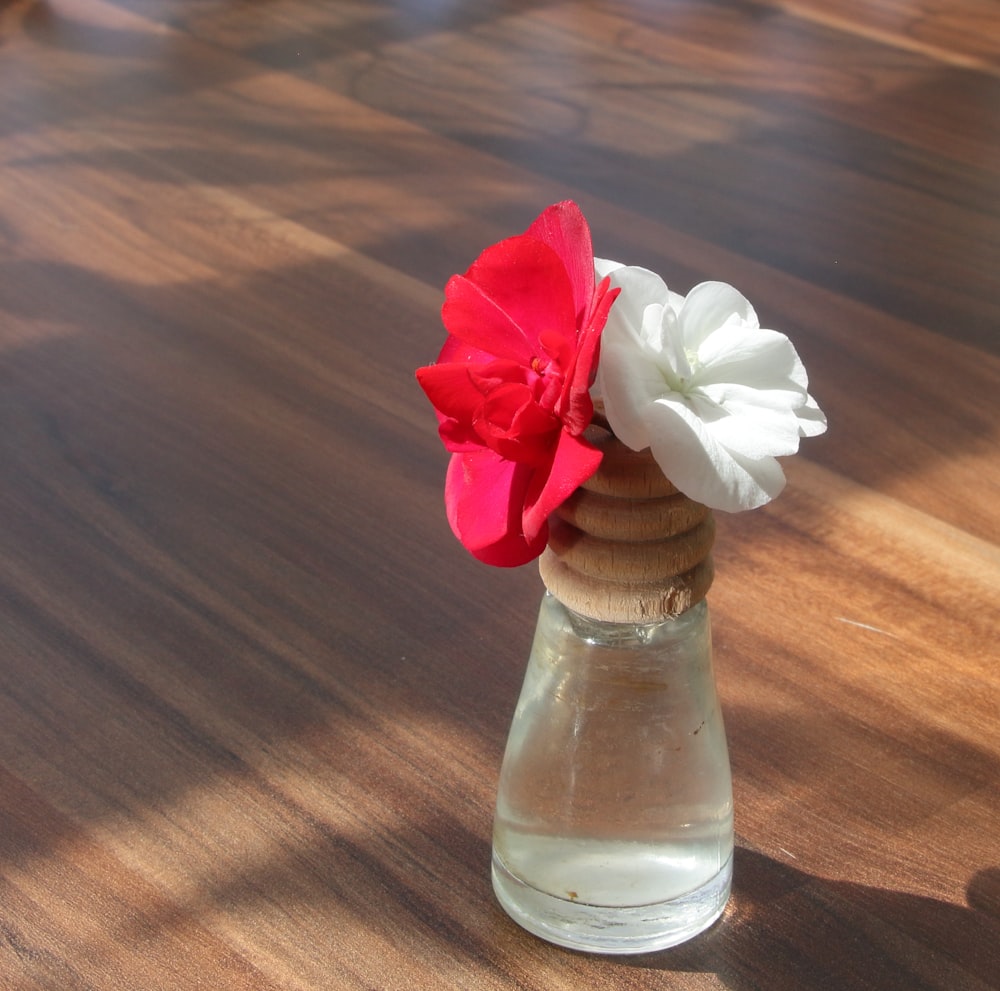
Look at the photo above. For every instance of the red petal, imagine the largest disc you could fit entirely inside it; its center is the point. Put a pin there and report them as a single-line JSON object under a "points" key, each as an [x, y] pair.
{"points": [[458, 437], [574, 462], [575, 405], [456, 350], [515, 290], [484, 495], [564, 228], [516, 427], [451, 389]]}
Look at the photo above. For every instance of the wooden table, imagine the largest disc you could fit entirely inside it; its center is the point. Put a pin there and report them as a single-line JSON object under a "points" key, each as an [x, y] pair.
{"points": [[253, 694]]}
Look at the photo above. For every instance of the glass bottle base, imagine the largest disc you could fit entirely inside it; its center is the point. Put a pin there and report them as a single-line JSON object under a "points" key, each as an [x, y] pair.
{"points": [[612, 928]]}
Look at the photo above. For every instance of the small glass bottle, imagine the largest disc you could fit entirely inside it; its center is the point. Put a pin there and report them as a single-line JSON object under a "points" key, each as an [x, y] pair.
{"points": [[614, 820]]}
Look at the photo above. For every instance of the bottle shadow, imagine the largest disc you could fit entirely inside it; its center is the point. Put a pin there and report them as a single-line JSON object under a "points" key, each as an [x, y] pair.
{"points": [[787, 929]]}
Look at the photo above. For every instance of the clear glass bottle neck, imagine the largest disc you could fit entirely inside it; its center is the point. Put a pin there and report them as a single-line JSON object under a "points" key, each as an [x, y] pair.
{"points": [[610, 634]]}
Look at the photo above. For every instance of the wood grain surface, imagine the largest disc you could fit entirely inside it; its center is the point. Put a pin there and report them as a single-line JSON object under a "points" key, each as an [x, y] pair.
{"points": [[254, 695]]}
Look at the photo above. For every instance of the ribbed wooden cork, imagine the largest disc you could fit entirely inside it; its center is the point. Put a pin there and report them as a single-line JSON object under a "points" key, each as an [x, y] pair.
{"points": [[627, 547]]}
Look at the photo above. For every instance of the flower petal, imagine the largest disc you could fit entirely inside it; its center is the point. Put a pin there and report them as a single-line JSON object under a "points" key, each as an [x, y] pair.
{"points": [[702, 468], [707, 307], [575, 460], [752, 357], [754, 431], [484, 496], [605, 266], [451, 389], [512, 292], [628, 380], [515, 426], [639, 287], [565, 230], [576, 405], [812, 420], [459, 351]]}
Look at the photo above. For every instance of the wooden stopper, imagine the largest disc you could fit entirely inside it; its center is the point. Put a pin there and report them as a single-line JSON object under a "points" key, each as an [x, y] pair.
{"points": [[627, 547]]}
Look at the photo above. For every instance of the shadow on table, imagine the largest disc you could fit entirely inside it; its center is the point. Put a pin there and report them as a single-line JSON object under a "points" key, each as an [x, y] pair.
{"points": [[857, 936]]}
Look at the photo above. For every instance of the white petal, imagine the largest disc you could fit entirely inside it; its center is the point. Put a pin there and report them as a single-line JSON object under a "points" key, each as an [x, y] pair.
{"points": [[674, 360], [702, 468], [628, 380], [768, 481], [604, 266], [757, 432], [740, 397], [708, 307], [639, 288], [651, 331], [762, 359], [812, 420], [750, 430]]}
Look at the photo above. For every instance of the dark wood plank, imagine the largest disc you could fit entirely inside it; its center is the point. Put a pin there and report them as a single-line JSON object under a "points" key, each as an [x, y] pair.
{"points": [[966, 35]]}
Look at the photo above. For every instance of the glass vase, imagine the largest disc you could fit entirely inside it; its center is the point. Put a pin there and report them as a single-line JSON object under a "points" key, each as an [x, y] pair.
{"points": [[614, 818]]}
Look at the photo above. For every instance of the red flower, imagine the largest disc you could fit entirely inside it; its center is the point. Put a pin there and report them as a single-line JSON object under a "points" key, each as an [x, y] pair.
{"points": [[512, 384]]}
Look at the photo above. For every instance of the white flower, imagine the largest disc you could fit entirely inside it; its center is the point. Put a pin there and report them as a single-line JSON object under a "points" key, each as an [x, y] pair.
{"points": [[699, 382]]}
